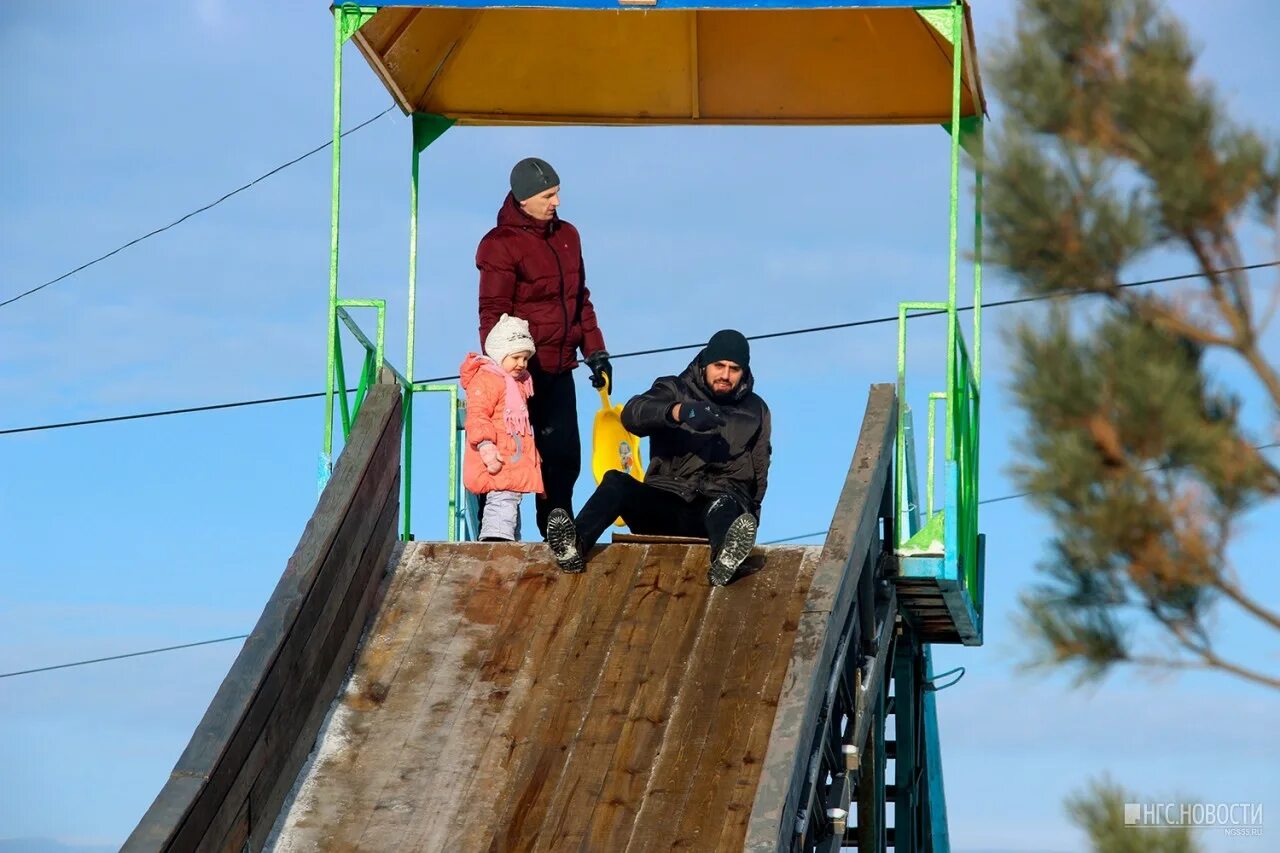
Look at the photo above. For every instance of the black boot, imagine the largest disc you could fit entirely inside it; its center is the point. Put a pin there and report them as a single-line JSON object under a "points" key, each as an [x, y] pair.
{"points": [[739, 539], [562, 539]]}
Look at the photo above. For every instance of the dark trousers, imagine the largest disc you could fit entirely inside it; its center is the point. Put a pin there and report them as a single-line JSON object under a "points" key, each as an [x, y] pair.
{"points": [[553, 414], [653, 511]]}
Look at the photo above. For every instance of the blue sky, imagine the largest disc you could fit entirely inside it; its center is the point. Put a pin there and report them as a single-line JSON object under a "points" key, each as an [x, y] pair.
{"points": [[126, 536]]}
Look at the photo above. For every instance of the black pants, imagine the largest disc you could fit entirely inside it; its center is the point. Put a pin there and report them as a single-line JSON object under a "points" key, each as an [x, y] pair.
{"points": [[646, 509], [553, 414]]}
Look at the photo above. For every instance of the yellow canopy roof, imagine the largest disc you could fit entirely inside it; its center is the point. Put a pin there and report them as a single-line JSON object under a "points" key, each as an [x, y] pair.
{"points": [[859, 63]]}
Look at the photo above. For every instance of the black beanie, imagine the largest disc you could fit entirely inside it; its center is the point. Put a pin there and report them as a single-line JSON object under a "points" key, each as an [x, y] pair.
{"points": [[531, 176], [726, 345]]}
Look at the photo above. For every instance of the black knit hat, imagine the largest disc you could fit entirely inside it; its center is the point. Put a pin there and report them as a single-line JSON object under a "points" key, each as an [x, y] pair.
{"points": [[726, 345], [531, 176]]}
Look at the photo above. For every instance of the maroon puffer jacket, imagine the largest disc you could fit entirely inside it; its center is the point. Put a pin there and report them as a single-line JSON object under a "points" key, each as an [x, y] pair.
{"points": [[533, 270]]}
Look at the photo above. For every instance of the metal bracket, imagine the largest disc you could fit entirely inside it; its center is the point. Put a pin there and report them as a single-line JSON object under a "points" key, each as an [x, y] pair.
{"points": [[351, 17]]}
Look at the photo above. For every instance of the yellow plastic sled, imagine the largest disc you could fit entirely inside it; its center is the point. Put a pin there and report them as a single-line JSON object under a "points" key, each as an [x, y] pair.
{"points": [[612, 447]]}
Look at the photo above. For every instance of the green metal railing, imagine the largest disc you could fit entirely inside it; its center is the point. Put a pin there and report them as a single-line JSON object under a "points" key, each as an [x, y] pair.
{"points": [[955, 525], [904, 485], [373, 358], [453, 502], [349, 409], [962, 455]]}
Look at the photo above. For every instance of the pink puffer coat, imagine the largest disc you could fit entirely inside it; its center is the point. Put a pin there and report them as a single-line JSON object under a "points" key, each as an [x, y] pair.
{"points": [[491, 417]]}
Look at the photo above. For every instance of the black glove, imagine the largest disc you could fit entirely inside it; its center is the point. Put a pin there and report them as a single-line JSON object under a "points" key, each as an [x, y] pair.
{"points": [[601, 370], [701, 417]]}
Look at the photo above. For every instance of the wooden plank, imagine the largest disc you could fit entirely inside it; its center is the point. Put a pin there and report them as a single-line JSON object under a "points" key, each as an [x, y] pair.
{"points": [[580, 680], [273, 765], [335, 801], [748, 666], [653, 539], [385, 28], [212, 753], [472, 829], [631, 645], [328, 669], [642, 734], [962, 613], [854, 526], [377, 38], [692, 718], [419, 56], [737, 811], [474, 593], [480, 707], [525, 763], [288, 684]]}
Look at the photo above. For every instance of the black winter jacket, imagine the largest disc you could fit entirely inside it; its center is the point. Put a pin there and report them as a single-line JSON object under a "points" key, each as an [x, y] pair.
{"points": [[733, 459]]}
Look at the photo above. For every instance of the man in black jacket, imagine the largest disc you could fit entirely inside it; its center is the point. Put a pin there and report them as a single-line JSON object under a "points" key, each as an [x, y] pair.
{"points": [[709, 437]]}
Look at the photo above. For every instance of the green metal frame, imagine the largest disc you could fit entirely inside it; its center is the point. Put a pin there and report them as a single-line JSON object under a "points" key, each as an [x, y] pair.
{"points": [[963, 374], [347, 19], [958, 524], [373, 357]]}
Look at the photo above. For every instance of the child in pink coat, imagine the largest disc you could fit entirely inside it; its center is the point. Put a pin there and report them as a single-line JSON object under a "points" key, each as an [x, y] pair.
{"points": [[500, 460]]}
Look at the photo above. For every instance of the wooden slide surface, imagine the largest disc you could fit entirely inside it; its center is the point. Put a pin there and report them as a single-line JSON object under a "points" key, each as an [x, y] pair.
{"points": [[498, 704]]}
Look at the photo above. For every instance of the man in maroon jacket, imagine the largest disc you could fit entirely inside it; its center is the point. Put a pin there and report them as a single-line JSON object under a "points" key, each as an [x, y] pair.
{"points": [[531, 267]]}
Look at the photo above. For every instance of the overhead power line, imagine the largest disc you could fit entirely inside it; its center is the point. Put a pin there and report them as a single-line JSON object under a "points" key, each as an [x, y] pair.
{"points": [[122, 657], [189, 410], [135, 241], [983, 502], [766, 336], [995, 304]]}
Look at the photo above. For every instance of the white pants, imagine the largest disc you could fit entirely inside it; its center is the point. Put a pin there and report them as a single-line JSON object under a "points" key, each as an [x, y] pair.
{"points": [[501, 516]]}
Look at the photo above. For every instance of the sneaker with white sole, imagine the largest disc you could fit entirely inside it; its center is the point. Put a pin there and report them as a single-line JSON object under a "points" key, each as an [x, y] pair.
{"points": [[739, 539], [562, 539]]}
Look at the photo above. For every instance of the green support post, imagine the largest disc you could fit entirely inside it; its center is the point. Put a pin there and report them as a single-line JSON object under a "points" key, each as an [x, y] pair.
{"points": [[900, 455], [452, 526], [934, 397], [957, 47], [326, 456], [406, 534], [977, 255], [426, 128], [347, 18]]}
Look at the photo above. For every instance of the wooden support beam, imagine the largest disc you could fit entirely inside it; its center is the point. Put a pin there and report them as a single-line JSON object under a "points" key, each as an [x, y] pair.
{"points": [[826, 623], [229, 783]]}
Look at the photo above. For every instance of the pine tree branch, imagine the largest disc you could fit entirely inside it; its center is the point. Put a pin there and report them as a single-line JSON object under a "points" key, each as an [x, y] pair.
{"points": [[1238, 323], [1207, 658], [1241, 295], [1165, 317], [1270, 312], [1264, 371], [1246, 602], [1208, 661]]}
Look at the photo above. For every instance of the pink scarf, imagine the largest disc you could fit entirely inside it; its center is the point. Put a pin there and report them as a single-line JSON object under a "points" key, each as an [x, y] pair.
{"points": [[515, 413]]}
